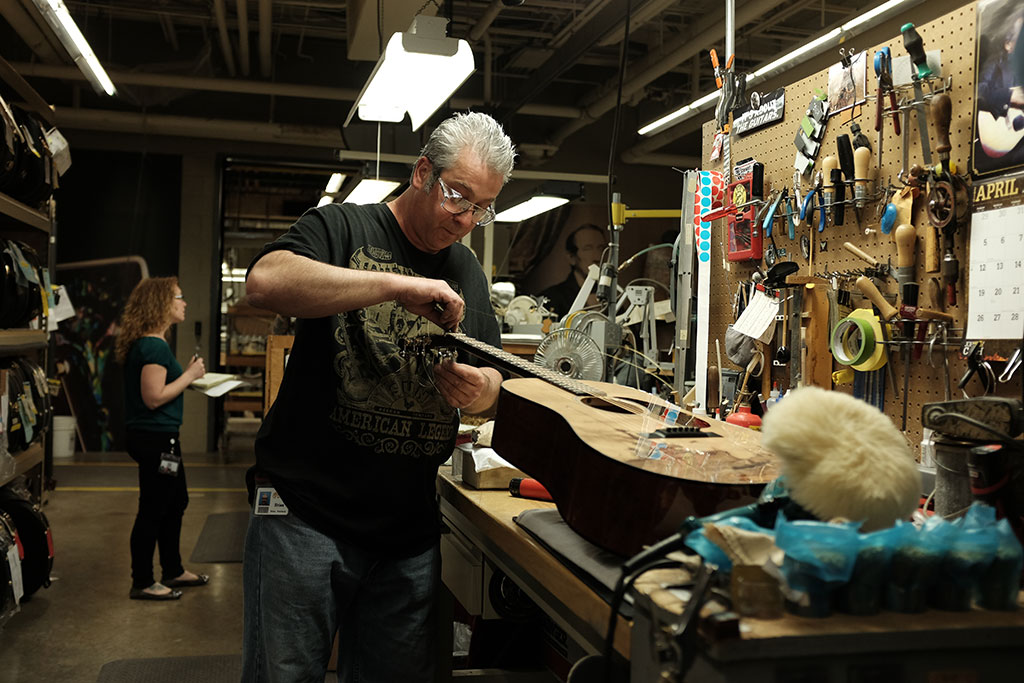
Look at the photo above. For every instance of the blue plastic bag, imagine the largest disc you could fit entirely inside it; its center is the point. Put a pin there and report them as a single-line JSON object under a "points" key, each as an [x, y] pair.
{"points": [[819, 558]]}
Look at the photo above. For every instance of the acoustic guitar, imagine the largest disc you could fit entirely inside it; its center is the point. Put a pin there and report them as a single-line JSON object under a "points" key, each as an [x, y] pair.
{"points": [[620, 476]]}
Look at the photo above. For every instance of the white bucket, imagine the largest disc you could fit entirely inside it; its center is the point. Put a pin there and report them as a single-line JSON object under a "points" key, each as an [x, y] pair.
{"points": [[63, 436]]}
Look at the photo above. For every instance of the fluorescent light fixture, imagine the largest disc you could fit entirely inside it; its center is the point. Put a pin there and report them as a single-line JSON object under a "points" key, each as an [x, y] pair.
{"points": [[668, 119], [814, 47], [871, 14], [334, 184], [418, 71], [790, 57], [550, 195], [530, 208], [59, 19], [370, 191]]}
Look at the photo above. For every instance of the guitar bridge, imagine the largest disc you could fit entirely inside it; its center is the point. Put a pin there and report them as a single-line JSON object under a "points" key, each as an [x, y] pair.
{"points": [[686, 431]]}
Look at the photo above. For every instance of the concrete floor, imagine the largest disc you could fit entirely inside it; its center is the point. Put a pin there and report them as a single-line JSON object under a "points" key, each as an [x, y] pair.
{"points": [[68, 631]]}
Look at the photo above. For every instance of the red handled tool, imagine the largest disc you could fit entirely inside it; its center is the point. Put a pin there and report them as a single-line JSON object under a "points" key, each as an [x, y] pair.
{"points": [[528, 488]]}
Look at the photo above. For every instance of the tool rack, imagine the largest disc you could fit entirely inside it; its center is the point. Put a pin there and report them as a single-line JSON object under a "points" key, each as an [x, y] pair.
{"points": [[954, 34]]}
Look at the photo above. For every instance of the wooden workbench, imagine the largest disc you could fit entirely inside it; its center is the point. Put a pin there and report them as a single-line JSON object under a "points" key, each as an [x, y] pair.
{"points": [[979, 646], [486, 519]]}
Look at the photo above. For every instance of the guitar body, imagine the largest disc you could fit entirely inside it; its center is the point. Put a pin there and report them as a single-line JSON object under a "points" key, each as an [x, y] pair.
{"points": [[615, 487]]}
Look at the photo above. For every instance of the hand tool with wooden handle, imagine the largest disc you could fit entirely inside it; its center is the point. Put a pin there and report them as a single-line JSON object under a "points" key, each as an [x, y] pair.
{"points": [[886, 310], [906, 248], [915, 46]]}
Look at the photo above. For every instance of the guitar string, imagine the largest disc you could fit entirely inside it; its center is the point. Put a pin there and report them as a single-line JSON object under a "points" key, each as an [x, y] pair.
{"points": [[550, 376], [603, 353]]}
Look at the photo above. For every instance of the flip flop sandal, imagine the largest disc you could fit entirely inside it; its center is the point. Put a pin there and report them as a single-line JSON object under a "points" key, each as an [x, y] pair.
{"points": [[200, 580], [142, 594]]}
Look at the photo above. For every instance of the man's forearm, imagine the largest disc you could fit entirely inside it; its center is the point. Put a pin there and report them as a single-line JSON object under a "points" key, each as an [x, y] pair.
{"points": [[295, 286]]}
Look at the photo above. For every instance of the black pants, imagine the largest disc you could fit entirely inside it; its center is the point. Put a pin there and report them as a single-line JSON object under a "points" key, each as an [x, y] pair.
{"points": [[162, 502]]}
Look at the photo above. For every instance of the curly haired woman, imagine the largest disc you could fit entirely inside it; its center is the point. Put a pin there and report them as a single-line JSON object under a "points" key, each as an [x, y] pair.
{"points": [[154, 383]]}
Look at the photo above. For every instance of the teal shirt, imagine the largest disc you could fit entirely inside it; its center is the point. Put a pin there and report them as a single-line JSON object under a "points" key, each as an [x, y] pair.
{"points": [[166, 418]]}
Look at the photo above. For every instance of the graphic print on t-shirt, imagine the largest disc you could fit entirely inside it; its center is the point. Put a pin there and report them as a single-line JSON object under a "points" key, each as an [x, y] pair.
{"points": [[384, 400]]}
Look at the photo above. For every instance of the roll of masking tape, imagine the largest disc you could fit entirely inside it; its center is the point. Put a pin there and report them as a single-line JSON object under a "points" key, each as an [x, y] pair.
{"points": [[878, 355], [853, 341]]}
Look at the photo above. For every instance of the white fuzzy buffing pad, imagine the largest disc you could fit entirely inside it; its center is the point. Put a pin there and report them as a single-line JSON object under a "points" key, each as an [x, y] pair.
{"points": [[842, 457]]}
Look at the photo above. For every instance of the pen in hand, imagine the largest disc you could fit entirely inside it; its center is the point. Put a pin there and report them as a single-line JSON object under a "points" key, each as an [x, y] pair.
{"points": [[199, 336]]}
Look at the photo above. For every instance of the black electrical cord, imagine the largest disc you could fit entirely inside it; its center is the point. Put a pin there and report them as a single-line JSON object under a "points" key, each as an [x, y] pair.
{"points": [[624, 583], [623, 54]]}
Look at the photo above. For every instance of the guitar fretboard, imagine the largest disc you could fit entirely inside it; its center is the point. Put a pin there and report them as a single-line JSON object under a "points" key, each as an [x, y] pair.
{"points": [[514, 364]]}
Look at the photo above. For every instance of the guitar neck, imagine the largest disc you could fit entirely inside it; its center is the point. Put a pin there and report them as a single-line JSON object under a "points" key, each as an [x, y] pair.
{"points": [[514, 364]]}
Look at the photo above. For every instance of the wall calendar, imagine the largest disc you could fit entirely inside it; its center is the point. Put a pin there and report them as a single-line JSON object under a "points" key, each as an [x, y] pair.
{"points": [[996, 295]]}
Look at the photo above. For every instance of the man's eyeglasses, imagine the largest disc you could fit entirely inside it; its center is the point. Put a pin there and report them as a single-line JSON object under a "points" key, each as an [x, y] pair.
{"points": [[455, 204], [179, 296]]}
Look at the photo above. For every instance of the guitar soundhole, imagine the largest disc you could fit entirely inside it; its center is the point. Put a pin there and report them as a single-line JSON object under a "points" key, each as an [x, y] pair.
{"points": [[617, 405]]}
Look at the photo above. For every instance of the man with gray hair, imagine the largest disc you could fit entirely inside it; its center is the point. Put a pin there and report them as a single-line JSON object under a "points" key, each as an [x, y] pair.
{"points": [[344, 530]]}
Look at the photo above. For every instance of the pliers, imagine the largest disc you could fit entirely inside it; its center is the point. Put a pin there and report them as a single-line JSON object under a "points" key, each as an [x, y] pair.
{"points": [[807, 210], [883, 70], [769, 216]]}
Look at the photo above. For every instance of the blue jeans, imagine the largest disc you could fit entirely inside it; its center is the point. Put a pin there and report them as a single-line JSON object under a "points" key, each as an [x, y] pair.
{"points": [[301, 587]]}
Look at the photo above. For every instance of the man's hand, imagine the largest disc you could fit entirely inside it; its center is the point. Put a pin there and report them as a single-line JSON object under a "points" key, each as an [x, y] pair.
{"points": [[468, 388], [432, 299]]}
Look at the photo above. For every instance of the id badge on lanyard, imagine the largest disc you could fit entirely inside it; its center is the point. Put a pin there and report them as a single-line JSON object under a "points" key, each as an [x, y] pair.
{"points": [[170, 460]]}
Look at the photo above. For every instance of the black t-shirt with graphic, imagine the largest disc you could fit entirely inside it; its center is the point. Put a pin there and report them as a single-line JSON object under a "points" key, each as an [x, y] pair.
{"points": [[357, 432]]}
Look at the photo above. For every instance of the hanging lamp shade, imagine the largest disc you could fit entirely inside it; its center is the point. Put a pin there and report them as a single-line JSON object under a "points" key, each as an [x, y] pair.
{"points": [[419, 70]]}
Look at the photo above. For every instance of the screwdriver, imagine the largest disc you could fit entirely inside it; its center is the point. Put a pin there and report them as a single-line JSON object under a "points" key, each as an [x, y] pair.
{"points": [[915, 46]]}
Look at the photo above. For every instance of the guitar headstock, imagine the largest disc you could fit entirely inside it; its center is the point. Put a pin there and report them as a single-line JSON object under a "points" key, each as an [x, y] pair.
{"points": [[430, 347]]}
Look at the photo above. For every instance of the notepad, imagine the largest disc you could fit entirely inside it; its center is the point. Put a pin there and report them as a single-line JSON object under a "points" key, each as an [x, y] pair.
{"points": [[215, 384]]}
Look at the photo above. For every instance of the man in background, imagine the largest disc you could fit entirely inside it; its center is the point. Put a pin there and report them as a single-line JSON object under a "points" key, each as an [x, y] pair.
{"points": [[585, 246]]}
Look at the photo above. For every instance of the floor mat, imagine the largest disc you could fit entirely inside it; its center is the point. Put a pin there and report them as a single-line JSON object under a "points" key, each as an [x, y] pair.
{"points": [[208, 669], [222, 538]]}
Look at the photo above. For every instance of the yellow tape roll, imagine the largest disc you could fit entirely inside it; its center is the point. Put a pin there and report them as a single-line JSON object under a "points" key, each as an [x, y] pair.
{"points": [[853, 341], [878, 356]]}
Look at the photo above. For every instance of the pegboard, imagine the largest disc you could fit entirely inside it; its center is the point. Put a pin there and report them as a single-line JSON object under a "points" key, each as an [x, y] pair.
{"points": [[954, 35]]}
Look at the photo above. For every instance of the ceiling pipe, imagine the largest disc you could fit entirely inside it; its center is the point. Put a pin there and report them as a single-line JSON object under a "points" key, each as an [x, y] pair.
{"points": [[189, 127], [265, 18], [688, 126], [253, 131], [562, 58], [169, 32], [220, 15], [488, 70], [251, 87], [243, 36], [640, 17], [37, 40], [485, 21], [678, 51]]}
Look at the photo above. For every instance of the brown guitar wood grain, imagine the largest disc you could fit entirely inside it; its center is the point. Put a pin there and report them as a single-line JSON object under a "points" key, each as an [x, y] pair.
{"points": [[613, 485]]}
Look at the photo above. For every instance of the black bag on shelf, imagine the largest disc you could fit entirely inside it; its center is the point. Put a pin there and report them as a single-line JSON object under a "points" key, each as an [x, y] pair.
{"points": [[17, 434], [34, 533], [36, 168], [8, 602], [29, 179], [22, 298], [36, 378], [10, 145]]}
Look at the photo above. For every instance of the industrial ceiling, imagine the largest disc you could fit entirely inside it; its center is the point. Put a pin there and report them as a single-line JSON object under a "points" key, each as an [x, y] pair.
{"points": [[288, 71]]}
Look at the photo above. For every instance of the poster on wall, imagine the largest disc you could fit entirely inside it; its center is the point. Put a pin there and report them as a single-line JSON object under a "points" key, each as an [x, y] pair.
{"points": [[98, 290], [999, 99], [846, 84]]}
